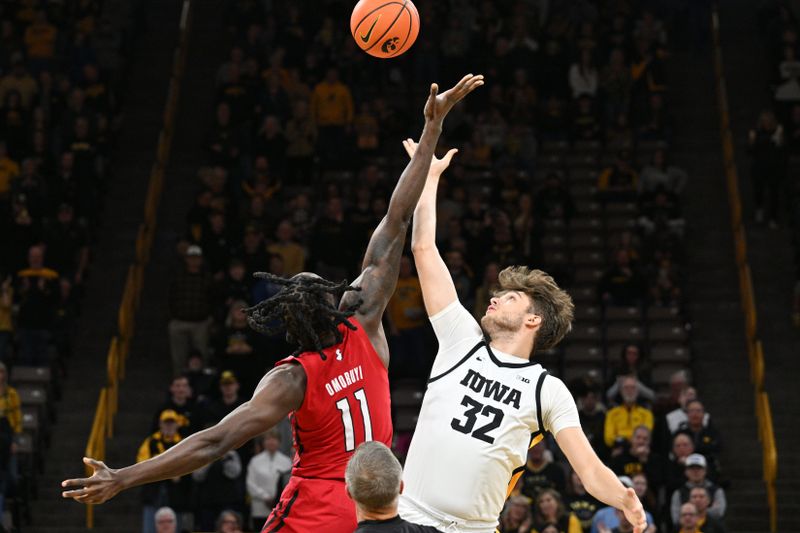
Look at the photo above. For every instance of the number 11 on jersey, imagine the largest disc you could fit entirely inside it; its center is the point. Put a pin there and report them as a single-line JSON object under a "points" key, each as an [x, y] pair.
{"points": [[347, 420]]}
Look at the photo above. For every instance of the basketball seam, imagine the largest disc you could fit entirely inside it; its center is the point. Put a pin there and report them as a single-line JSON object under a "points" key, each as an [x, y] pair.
{"points": [[360, 22], [379, 39], [408, 34]]}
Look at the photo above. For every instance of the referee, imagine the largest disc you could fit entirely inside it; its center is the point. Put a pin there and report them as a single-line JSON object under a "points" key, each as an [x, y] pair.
{"points": [[374, 480]]}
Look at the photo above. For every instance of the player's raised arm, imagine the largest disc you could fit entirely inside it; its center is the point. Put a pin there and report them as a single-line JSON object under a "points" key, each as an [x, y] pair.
{"points": [[598, 479], [280, 391], [378, 278], [438, 290]]}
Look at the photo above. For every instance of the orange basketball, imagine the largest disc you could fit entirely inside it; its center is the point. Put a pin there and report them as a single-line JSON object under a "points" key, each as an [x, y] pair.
{"points": [[384, 28]]}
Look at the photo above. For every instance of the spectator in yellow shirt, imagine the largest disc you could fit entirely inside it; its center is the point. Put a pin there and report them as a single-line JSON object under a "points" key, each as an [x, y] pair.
{"points": [[332, 112], [406, 317], [285, 245], [40, 38], [9, 169], [623, 419]]}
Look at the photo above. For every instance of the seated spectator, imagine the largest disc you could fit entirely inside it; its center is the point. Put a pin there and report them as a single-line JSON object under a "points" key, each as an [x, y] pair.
{"points": [[656, 124], [68, 245], [236, 286], [616, 86], [407, 320], [228, 522], [373, 480], [606, 519], [646, 495], [173, 492], [263, 473], [701, 498], [696, 477], [10, 427], [553, 201], [553, 125], [549, 510], [330, 241], [592, 415], [661, 213], [223, 143], [301, 136], [270, 144], [190, 309], [218, 244], [6, 322], [9, 170], [180, 402], [236, 350], [585, 122], [37, 297], [618, 183], [659, 174], [632, 363], [675, 470], [622, 284], [213, 410], [707, 440], [220, 489], [678, 418], [541, 472], [639, 458], [665, 283], [618, 133], [583, 77], [262, 182], [580, 503], [166, 521], [254, 254], [285, 245], [688, 519], [201, 378], [623, 419], [678, 381], [516, 516]]}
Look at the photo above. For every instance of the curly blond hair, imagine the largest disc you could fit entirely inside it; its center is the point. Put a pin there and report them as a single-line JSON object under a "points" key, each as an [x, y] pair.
{"points": [[549, 301]]}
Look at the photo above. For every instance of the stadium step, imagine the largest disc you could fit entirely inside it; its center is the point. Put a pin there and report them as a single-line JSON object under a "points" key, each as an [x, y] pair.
{"points": [[144, 98]]}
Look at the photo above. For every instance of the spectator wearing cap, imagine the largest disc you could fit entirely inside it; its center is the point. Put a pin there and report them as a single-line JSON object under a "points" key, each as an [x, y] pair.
{"points": [[606, 519], [166, 521], [696, 477], [541, 472], [181, 402], [700, 497], [190, 309], [263, 474], [214, 410], [171, 492], [623, 419], [37, 297]]}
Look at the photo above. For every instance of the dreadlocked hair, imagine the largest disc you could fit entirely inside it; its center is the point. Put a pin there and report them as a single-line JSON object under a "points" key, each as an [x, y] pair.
{"points": [[302, 309]]}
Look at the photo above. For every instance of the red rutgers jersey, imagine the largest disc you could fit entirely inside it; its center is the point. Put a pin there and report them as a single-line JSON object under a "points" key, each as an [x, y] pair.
{"points": [[346, 403]]}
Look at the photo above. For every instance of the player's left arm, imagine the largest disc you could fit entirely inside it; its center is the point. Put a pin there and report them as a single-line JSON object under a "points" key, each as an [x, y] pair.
{"points": [[598, 479], [381, 264]]}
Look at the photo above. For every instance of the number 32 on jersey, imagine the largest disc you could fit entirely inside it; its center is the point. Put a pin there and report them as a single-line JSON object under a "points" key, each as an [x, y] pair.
{"points": [[347, 419]]}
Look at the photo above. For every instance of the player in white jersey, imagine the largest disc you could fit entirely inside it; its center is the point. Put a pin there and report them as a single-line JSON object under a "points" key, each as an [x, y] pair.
{"points": [[487, 401]]}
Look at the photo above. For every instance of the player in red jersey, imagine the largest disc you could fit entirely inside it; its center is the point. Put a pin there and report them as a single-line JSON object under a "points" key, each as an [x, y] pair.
{"points": [[336, 384]]}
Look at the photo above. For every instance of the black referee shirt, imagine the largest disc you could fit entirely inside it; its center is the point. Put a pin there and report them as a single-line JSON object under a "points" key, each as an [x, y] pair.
{"points": [[392, 525]]}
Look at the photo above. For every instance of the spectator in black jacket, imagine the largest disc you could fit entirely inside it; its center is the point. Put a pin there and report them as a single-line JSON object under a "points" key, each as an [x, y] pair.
{"points": [[768, 168], [190, 309], [37, 295]]}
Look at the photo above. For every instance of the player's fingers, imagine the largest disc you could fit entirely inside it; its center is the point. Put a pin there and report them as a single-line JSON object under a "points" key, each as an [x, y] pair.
{"points": [[409, 149], [94, 463], [74, 493], [434, 90], [449, 155], [76, 482]]}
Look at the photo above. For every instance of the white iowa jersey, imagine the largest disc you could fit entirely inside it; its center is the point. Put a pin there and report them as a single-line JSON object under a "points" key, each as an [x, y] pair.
{"points": [[478, 418]]}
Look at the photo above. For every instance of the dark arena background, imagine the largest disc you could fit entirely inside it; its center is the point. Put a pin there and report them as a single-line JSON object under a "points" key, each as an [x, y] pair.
{"points": [[154, 154]]}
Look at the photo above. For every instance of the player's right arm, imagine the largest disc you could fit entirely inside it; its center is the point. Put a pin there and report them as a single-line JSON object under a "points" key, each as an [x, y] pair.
{"points": [[281, 391], [438, 289]]}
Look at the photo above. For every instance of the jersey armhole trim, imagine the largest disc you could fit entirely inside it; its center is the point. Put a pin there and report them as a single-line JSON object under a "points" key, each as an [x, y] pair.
{"points": [[458, 364], [539, 419]]}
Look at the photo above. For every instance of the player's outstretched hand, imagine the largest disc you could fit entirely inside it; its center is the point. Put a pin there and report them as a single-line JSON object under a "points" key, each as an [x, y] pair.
{"points": [[438, 105], [438, 166], [634, 511], [101, 487]]}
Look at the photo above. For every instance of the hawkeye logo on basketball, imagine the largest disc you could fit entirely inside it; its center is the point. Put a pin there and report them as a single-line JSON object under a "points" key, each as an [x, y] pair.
{"points": [[492, 389]]}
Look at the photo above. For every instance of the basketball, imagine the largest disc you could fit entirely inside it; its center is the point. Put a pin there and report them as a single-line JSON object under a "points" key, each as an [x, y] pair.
{"points": [[384, 28]]}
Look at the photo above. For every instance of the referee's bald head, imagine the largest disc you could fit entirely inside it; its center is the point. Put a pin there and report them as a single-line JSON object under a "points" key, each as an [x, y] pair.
{"points": [[373, 477]]}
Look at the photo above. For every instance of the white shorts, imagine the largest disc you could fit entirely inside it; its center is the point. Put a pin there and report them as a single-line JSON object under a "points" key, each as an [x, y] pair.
{"points": [[418, 513]]}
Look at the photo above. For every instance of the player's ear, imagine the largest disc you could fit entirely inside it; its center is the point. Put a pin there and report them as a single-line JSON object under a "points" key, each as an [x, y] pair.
{"points": [[533, 321]]}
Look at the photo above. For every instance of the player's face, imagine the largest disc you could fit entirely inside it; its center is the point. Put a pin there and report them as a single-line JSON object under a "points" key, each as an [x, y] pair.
{"points": [[506, 313]]}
